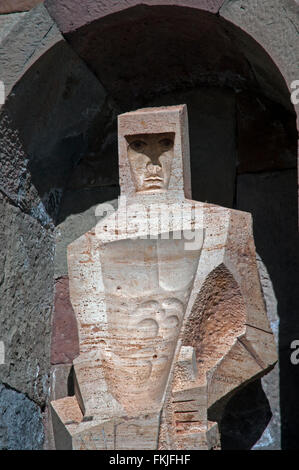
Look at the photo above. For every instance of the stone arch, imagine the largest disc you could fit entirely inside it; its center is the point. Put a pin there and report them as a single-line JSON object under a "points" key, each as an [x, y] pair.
{"points": [[131, 48], [20, 183], [71, 16]]}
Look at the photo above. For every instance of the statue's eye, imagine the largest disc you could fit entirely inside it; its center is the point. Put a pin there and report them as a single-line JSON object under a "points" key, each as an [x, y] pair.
{"points": [[137, 145], [166, 143]]}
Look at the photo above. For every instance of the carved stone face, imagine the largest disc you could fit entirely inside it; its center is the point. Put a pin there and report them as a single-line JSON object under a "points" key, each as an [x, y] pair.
{"points": [[150, 157]]}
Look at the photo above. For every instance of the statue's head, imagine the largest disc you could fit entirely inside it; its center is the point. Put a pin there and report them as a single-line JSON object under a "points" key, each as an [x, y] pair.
{"points": [[154, 151], [150, 157]]}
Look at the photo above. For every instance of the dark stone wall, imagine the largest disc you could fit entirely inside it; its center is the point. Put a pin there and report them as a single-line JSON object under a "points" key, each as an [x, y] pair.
{"points": [[58, 157], [271, 198], [21, 423]]}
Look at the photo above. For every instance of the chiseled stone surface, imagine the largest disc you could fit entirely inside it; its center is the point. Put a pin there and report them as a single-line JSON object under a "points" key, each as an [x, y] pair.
{"points": [[21, 426], [26, 298], [12, 6], [24, 38], [139, 366]]}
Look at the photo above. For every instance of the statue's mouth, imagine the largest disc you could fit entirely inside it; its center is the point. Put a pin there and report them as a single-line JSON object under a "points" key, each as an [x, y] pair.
{"points": [[154, 178]]}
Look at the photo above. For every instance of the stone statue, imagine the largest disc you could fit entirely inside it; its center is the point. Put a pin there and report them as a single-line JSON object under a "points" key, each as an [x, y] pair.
{"points": [[168, 301]]}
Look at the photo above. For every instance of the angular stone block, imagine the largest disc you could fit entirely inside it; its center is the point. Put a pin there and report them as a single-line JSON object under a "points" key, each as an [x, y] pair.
{"points": [[61, 381], [65, 341], [26, 299]]}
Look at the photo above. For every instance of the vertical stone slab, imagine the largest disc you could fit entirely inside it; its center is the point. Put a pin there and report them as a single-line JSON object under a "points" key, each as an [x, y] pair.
{"points": [[65, 341], [26, 300]]}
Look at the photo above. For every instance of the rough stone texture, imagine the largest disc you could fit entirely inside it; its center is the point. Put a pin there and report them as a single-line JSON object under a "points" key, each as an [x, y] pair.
{"points": [[26, 297], [271, 197], [15, 179], [7, 23], [72, 14], [58, 136], [21, 426], [24, 38], [12, 6], [65, 341]]}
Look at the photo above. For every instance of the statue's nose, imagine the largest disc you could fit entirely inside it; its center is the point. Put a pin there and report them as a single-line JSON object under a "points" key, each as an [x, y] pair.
{"points": [[154, 168]]}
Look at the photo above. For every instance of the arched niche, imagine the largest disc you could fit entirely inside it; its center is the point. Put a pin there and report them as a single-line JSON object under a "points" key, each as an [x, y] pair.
{"points": [[59, 134]]}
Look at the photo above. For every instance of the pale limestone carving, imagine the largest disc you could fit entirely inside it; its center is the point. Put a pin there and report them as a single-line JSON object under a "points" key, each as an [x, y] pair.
{"points": [[150, 157], [165, 330]]}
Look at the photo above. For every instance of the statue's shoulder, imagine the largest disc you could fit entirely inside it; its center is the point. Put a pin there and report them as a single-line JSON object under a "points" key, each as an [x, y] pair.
{"points": [[219, 219], [217, 211]]}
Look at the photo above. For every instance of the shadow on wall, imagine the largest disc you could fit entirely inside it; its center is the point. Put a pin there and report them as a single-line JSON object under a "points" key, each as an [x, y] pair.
{"points": [[56, 115], [243, 418], [271, 198]]}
